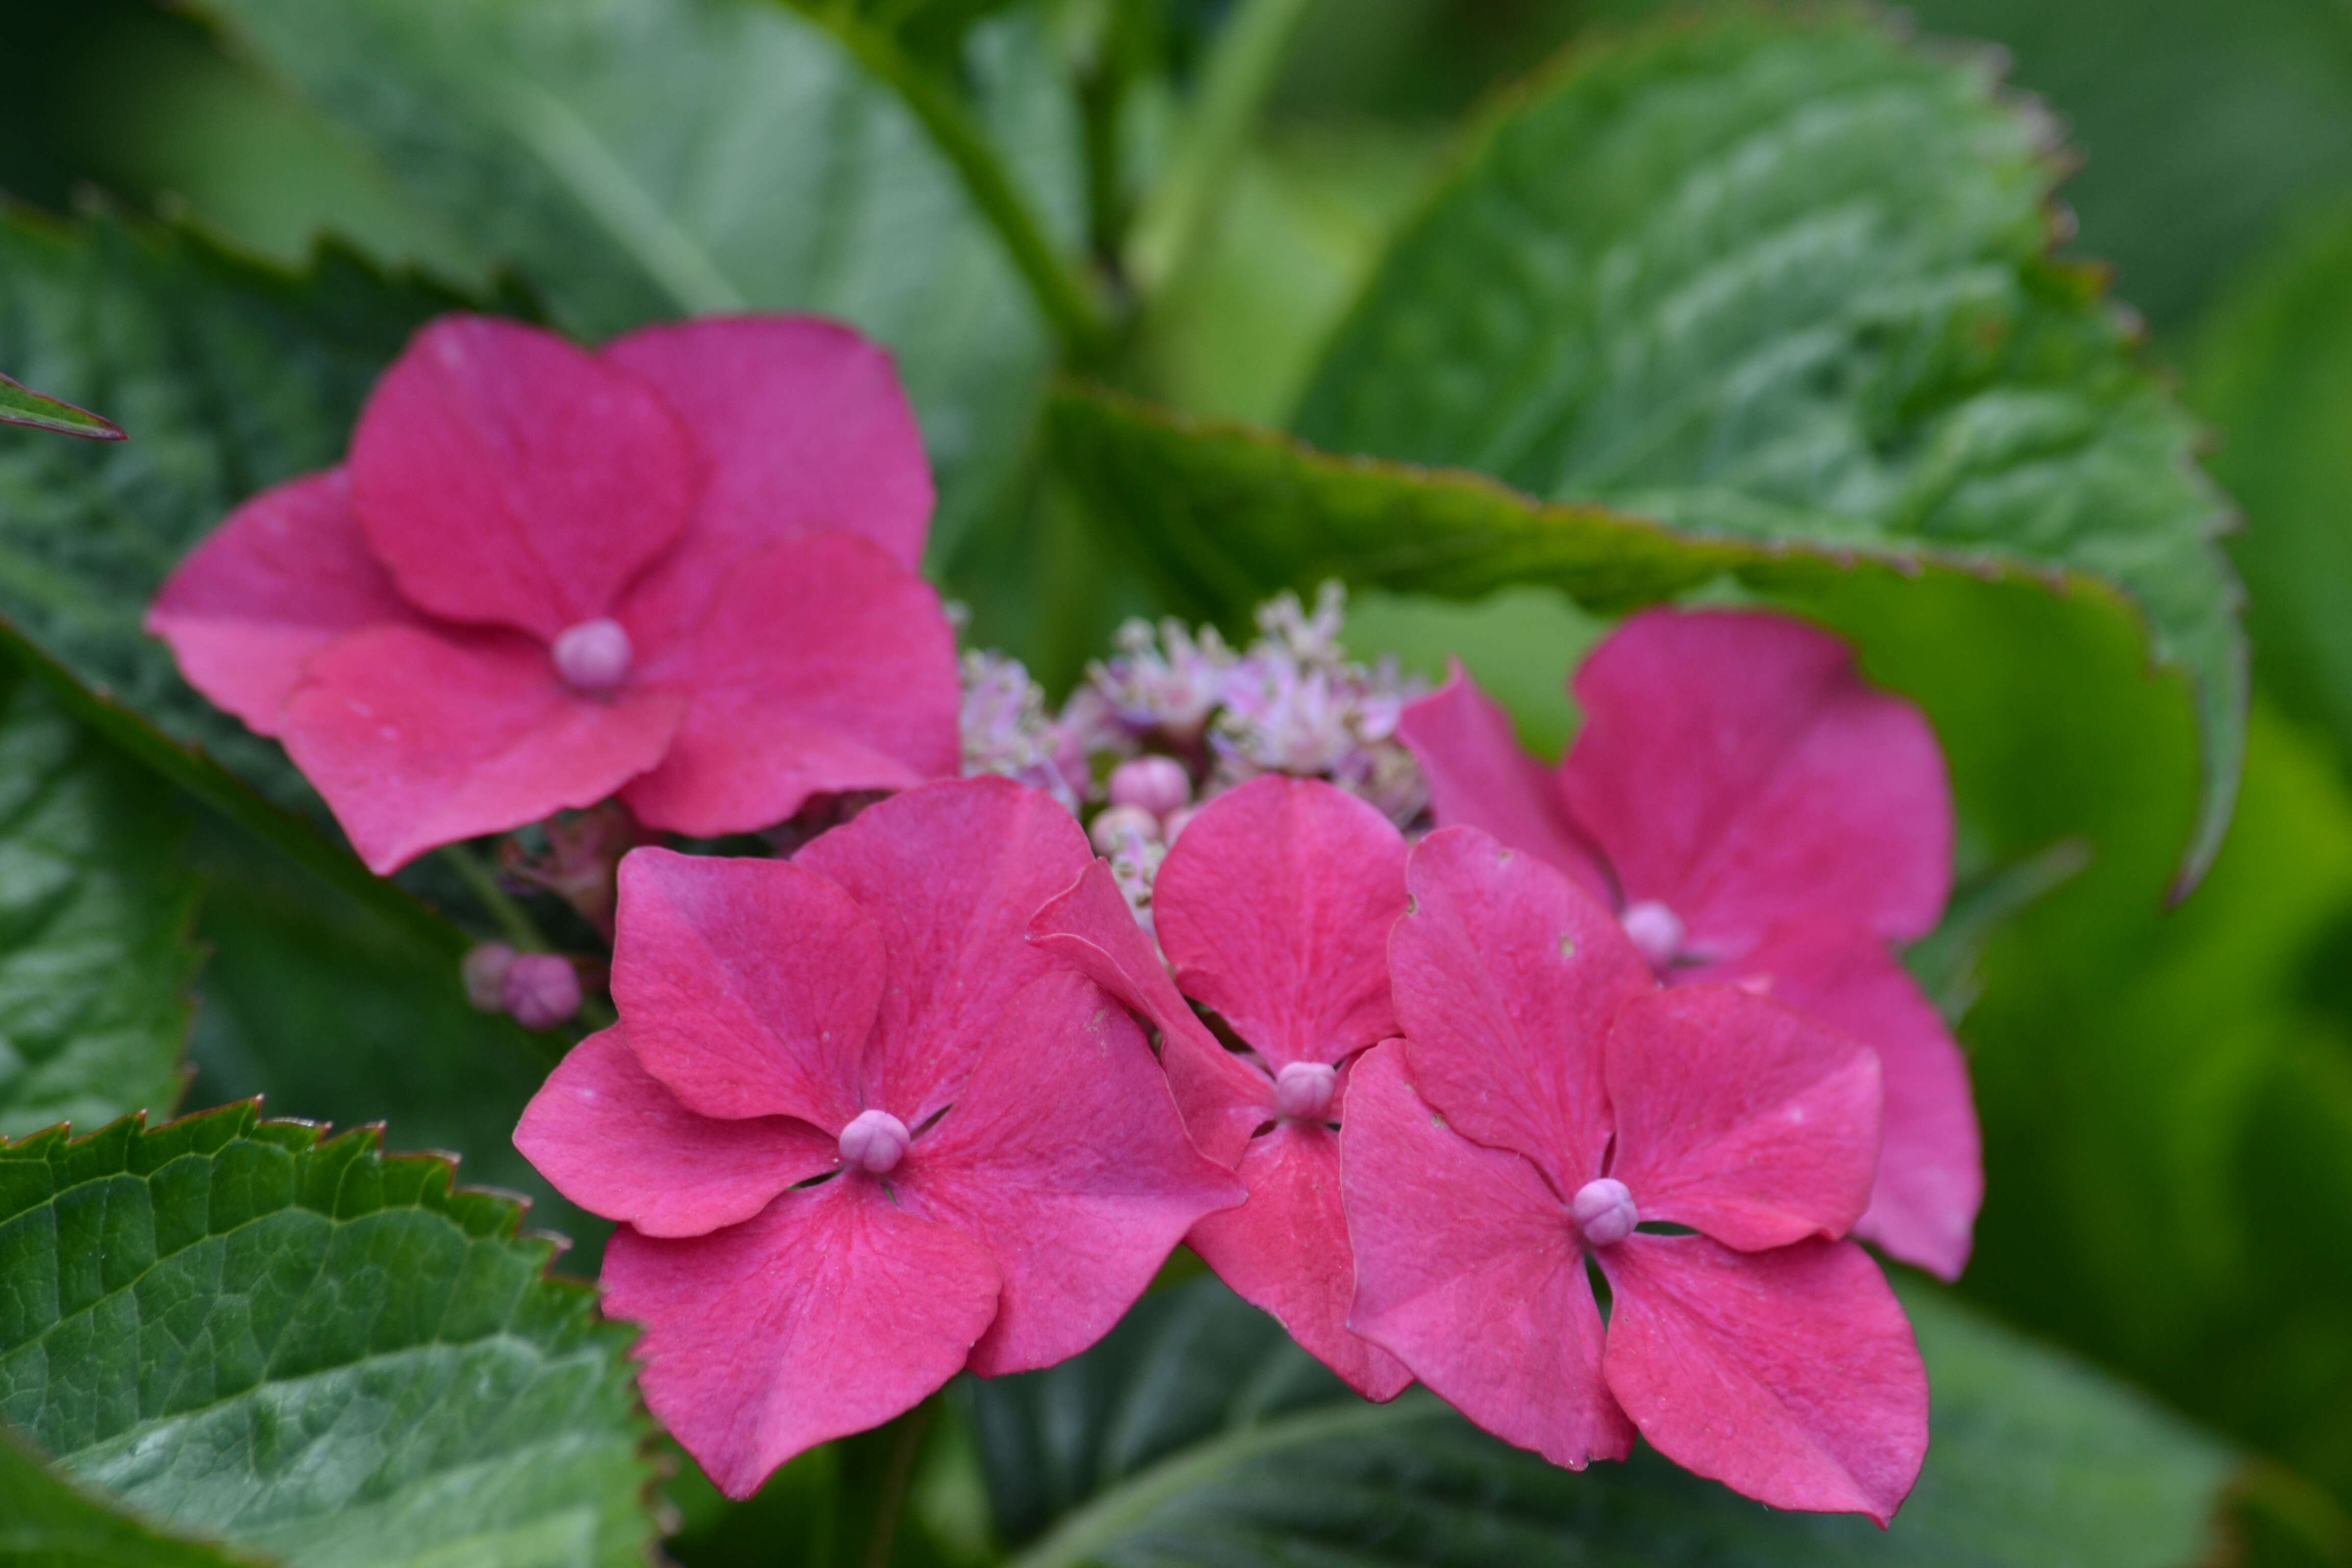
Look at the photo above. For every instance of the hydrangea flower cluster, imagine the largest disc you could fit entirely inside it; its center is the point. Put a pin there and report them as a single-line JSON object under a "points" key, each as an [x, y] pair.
{"points": [[920, 1093], [1178, 717]]}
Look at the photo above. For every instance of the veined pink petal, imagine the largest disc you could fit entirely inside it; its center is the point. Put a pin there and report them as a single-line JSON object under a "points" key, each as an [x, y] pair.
{"points": [[799, 425], [822, 666], [419, 738], [1479, 777], [1275, 907], [1468, 1269], [1922, 1209], [1788, 1376], [1286, 1251], [1733, 766], [509, 478], [1745, 1119], [950, 874], [618, 1143], [1508, 978], [830, 1313], [749, 986], [284, 577], [1089, 927], [1063, 1156]]}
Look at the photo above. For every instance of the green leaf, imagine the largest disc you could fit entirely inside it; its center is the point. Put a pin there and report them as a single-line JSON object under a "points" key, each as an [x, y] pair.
{"points": [[20, 405], [244, 1329], [1785, 281], [289, 970], [2273, 371], [1197, 1433], [45, 1523], [654, 158], [95, 955]]}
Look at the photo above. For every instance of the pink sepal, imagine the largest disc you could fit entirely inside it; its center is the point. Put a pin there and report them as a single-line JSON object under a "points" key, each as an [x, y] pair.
{"points": [[1733, 766], [1508, 978], [614, 1141], [950, 874], [418, 739], [1065, 1158], [1479, 777], [1286, 1251], [1790, 1375], [822, 666], [1931, 1165], [831, 1311], [1089, 927], [284, 577], [509, 478], [1740, 1117], [748, 985], [1275, 907], [1468, 1269]]}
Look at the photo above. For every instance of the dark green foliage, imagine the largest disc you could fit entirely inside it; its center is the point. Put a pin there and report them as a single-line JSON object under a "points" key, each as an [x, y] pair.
{"points": [[312, 1349], [45, 1523], [95, 910], [1197, 1433]]}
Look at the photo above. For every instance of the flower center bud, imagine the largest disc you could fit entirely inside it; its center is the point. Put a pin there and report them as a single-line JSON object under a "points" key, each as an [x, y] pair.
{"points": [[1154, 783], [1656, 930], [1123, 829], [1604, 1212], [594, 657], [874, 1140], [1302, 1091]]}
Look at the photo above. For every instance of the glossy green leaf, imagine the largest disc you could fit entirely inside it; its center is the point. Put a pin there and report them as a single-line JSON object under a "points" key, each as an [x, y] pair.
{"points": [[655, 158], [45, 1523], [95, 910], [2274, 372], [305, 1347], [20, 405], [1197, 1433], [1785, 281]]}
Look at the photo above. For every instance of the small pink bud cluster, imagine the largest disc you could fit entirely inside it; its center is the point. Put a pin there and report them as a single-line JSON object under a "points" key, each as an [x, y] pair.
{"points": [[537, 990]]}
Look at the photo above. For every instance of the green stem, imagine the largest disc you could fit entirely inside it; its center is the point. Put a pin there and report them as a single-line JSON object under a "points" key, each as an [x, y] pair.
{"points": [[1241, 72], [897, 1477], [1085, 1535], [506, 911], [1064, 295]]}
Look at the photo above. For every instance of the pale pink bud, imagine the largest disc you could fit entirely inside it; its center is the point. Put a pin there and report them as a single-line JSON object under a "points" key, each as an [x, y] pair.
{"points": [[540, 990], [485, 970], [1120, 826], [1154, 783], [594, 657], [1605, 1211], [1656, 930], [874, 1140], [1302, 1091]]}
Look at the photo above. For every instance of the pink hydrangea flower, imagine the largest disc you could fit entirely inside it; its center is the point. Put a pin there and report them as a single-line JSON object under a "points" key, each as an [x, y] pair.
{"points": [[858, 1133], [1546, 1099], [1756, 814], [1274, 907], [679, 570]]}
